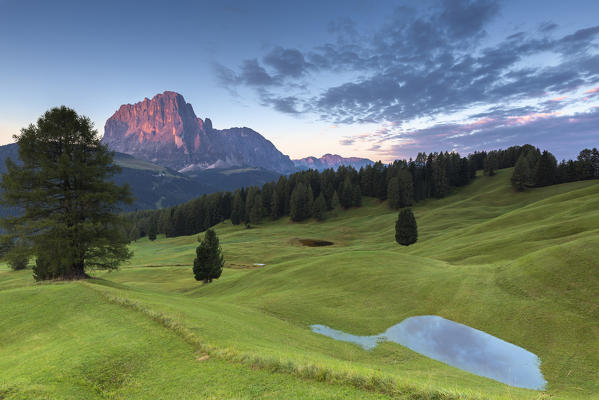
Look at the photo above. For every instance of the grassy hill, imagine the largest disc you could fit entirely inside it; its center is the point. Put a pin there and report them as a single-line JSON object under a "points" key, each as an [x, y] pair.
{"points": [[520, 266]]}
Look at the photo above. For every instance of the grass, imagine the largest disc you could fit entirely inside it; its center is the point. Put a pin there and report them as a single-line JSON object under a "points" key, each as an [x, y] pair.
{"points": [[520, 266]]}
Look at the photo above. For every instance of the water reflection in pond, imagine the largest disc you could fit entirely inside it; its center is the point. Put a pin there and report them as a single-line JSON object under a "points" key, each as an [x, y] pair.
{"points": [[457, 345]]}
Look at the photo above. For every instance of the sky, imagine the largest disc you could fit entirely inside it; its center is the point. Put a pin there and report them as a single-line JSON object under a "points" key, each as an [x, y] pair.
{"points": [[378, 79]]}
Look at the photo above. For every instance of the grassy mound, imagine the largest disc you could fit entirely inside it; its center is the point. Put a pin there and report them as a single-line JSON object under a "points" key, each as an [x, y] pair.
{"points": [[520, 266]]}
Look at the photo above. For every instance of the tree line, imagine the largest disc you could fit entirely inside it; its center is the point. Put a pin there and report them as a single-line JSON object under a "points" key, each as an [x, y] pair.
{"points": [[311, 194], [534, 168]]}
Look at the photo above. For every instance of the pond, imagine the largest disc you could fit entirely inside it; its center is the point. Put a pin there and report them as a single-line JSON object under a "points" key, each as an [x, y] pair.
{"points": [[457, 345]]}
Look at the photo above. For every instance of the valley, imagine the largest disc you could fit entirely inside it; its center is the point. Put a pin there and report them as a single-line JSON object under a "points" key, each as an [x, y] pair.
{"points": [[520, 266]]}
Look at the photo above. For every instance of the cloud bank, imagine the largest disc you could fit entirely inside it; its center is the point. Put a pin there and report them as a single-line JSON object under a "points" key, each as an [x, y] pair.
{"points": [[431, 80]]}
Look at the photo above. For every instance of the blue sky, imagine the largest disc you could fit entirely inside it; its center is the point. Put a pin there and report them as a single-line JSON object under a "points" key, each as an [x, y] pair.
{"points": [[381, 79]]}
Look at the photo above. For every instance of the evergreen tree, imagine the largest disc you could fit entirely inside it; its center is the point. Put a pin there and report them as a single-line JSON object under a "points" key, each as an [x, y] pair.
{"points": [[250, 200], [356, 195], [346, 193], [406, 188], [406, 230], [546, 170], [335, 203], [209, 261], [64, 186], [309, 201], [152, 232], [393, 196], [299, 203], [587, 164], [256, 211], [237, 209], [320, 207], [521, 176], [439, 184]]}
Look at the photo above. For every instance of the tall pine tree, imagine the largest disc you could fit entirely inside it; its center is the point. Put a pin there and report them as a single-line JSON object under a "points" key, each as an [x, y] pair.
{"points": [[70, 203]]}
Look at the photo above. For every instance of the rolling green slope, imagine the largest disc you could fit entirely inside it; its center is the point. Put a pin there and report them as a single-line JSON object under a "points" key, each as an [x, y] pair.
{"points": [[520, 266]]}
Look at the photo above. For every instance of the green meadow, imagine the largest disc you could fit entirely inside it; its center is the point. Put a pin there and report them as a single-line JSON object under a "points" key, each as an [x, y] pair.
{"points": [[523, 267]]}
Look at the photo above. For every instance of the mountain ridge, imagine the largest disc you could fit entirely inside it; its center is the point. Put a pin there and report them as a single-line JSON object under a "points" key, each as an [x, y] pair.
{"points": [[329, 160], [166, 130]]}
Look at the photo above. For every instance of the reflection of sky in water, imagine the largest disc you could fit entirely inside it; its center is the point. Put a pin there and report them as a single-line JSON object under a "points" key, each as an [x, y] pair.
{"points": [[457, 345]]}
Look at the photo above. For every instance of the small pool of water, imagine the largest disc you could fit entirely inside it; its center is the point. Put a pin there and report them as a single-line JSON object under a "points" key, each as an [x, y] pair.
{"points": [[457, 345]]}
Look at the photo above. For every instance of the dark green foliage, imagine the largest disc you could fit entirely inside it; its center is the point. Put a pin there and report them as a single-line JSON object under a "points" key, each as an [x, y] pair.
{"points": [[588, 164], [296, 195], [406, 188], [300, 203], [406, 230], [335, 203], [256, 211], [393, 195], [17, 258], [346, 197], [429, 175], [438, 172], [152, 232], [319, 208], [521, 176], [69, 201], [209, 261], [237, 210], [546, 170], [356, 196], [490, 164]]}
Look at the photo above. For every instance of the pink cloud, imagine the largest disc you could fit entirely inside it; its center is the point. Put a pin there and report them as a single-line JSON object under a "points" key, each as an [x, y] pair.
{"points": [[594, 90], [525, 119], [559, 98]]}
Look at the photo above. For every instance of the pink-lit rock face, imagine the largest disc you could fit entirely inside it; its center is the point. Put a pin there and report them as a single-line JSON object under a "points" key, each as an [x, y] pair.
{"points": [[166, 130], [151, 128]]}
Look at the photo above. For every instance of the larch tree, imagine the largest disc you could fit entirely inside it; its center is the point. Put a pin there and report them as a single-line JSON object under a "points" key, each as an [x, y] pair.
{"points": [[69, 203]]}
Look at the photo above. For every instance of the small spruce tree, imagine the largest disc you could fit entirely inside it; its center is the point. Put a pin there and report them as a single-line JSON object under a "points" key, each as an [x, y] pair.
{"points": [[393, 194], [237, 209], [545, 170], [209, 261], [320, 207], [406, 231], [256, 211], [152, 231], [521, 176], [406, 188], [299, 209], [335, 204]]}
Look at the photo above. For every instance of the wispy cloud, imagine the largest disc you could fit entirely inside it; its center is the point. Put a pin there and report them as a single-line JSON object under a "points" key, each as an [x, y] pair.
{"points": [[430, 64]]}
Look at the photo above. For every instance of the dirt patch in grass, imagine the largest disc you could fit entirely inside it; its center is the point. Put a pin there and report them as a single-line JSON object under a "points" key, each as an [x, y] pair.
{"points": [[315, 242]]}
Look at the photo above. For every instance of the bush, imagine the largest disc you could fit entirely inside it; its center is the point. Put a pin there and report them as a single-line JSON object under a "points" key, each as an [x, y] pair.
{"points": [[17, 261]]}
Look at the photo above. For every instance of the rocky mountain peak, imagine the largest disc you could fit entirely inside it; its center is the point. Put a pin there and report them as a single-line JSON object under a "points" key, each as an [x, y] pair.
{"points": [[166, 130]]}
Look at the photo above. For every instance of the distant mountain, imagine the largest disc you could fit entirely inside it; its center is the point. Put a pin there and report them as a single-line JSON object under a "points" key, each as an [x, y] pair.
{"points": [[155, 186], [166, 131], [331, 161], [152, 186]]}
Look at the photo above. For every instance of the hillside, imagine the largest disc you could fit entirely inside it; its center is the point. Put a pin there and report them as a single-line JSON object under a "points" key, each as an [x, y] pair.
{"points": [[519, 266]]}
